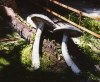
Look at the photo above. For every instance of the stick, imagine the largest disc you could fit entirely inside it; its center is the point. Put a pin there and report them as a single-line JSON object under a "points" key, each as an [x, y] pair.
{"points": [[75, 10], [65, 19]]}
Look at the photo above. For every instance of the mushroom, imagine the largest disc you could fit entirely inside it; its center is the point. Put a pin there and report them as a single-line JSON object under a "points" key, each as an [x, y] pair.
{"points": [[30, 19], [37, 21], [68, 31]]}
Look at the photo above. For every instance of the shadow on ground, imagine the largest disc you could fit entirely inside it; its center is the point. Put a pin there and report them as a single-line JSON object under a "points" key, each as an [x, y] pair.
{"points": [[17, 72]]}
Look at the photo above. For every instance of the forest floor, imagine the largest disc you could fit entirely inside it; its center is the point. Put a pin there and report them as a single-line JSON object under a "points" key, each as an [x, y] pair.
{"points": [[15, 69]]}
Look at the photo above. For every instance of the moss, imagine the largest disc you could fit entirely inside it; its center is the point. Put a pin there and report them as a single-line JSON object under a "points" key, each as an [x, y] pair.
{"points": [[3, 63], [73, 17], [45, 62], [88, 43], [26, 55], [7, 47], [91, 76], [91, 24]]}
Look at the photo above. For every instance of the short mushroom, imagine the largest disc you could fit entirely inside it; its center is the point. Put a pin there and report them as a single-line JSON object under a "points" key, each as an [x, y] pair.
{"points": [[68, 31], [37, 21]]}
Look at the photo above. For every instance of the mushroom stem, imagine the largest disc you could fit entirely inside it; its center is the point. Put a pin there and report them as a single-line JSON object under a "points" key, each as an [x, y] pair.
{"points": [[67, 57], [35, 51], [43, 19]]}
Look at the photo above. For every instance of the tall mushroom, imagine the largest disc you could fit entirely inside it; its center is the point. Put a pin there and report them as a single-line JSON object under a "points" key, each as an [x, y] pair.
{"points": [[37, 21], [68, 31]]}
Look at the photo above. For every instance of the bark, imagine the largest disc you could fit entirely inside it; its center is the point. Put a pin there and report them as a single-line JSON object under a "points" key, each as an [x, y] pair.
{"points": [[19, 26]]}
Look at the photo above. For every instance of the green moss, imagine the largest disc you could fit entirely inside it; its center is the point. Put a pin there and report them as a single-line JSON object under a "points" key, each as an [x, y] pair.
{"points": [[73, 17], [7, 47], [89, 43], [3, 63], [91, 24], [91, 76], [26, 55], [91, 46], [45, 62], [32, 38]]}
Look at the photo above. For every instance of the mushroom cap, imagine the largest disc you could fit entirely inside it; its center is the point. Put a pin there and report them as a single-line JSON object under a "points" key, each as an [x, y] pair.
{"points": [[41, 17], [68, 29]]}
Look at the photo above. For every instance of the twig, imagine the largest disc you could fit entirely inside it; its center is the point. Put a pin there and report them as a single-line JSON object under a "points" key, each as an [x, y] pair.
{"points": [[65, 19], [75, 10]]}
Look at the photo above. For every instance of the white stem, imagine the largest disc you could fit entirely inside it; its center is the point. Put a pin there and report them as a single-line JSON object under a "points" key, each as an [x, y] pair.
{"points": [[67, 57], [35, 51]]}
